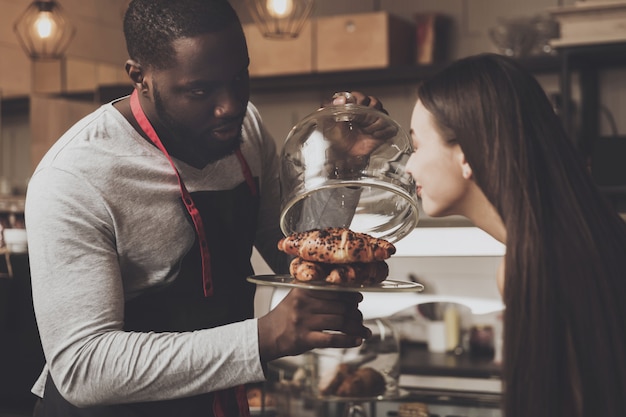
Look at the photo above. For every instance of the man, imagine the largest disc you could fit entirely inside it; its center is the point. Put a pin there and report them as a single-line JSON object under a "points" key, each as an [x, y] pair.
{"points": [[141, 221]]}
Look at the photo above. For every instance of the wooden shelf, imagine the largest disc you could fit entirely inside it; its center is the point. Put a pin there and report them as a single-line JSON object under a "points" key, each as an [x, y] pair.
{"points": [[605, 55], [407, 74], [376, 77], [332, 81], [342, 79], [14, 106]]}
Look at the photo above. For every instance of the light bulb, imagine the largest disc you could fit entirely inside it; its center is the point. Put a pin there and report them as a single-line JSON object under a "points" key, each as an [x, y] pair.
{"points": [[279, 8], [44, 25]]}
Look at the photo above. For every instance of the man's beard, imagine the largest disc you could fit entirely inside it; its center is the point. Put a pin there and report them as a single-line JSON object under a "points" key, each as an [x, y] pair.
{"points": [[203, 146]]}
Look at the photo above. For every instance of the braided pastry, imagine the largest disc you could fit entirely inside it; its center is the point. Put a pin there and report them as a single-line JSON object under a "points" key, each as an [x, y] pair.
{"points": [[308, 271], [353, 274], [336, 246]]}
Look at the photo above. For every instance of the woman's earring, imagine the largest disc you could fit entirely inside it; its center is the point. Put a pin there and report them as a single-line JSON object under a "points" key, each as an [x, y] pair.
{"points": [[467, 172]]}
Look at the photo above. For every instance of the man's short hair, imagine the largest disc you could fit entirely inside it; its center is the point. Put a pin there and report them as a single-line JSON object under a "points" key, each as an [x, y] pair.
{"points": [[150, 26]]}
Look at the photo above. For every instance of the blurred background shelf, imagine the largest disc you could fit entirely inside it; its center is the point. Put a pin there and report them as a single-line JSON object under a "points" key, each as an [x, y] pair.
{"points": [[324, 81]]}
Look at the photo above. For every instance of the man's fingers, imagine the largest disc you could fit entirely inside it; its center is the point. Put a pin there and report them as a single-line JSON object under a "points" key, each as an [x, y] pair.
{"points": [[333, 340]]}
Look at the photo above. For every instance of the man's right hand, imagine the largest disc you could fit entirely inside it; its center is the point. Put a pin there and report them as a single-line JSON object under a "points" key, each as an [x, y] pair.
{"points": [[309, 319]]}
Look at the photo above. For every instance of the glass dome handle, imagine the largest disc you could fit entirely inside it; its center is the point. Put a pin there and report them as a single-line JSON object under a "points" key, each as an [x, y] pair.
{"points": [[350, 99]]}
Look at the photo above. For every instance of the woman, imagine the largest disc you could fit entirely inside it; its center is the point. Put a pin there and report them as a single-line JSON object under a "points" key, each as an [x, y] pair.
{"points": [[489, 146]]}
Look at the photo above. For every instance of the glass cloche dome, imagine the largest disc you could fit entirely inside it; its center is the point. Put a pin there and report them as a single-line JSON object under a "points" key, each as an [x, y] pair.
{"points": [[344, 166]]}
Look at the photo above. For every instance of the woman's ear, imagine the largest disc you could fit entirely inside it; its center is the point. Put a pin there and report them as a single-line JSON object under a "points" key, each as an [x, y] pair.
{"points": [[466, 169], [136, 74]]}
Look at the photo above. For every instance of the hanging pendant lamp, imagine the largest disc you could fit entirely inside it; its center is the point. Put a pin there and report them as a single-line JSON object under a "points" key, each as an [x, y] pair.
{"points": [[280, 19], [43, 31]]}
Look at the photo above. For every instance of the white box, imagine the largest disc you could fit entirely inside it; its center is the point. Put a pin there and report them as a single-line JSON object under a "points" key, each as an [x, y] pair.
{"points": [[590, 23]]}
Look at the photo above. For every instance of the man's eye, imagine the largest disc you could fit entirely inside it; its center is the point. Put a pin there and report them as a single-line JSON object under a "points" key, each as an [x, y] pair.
{"points": [[197, 91]]}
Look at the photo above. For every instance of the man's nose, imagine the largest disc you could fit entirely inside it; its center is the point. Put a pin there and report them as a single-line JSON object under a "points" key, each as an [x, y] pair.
{"points": [[227, 102]]}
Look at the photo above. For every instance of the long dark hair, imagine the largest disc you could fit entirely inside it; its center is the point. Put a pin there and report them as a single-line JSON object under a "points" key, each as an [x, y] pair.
{"points": [[565, 289]]}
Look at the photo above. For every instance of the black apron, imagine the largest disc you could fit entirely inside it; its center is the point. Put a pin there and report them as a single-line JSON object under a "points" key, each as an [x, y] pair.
{"points": [[229, 220]]}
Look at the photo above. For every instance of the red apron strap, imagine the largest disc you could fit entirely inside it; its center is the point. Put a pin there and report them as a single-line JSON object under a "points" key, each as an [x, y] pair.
{"points": [[245, 168], [221, 399], [146, 126], [218, 404], [242, 400]]}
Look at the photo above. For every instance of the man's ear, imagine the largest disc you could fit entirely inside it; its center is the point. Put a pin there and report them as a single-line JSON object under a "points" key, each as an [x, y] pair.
{"points": [[136, 74]]}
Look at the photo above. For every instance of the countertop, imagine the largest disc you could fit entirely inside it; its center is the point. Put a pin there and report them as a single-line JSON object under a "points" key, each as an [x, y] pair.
{"points": [[436, 374], [416, 359], [450, 384]]}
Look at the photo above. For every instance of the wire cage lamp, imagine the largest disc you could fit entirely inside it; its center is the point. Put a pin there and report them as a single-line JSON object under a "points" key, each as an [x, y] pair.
{"points": [[280, 19], [43, 31]]}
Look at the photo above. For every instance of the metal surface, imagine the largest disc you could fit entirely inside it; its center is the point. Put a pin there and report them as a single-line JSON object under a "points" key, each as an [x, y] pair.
{"points": [[290, 282]]}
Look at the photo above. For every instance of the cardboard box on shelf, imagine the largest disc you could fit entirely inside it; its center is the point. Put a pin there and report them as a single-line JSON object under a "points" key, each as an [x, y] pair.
{"points": [[364, 41], [279, 56]]}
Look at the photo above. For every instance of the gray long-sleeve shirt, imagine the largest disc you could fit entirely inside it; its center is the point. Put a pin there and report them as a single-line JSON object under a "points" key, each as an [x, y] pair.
{"points": [[104, 224]]}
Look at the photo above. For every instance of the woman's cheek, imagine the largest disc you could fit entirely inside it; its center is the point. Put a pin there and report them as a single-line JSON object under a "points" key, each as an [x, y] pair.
{"points": [[431, 207], [442, 194], [427, 206]]}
